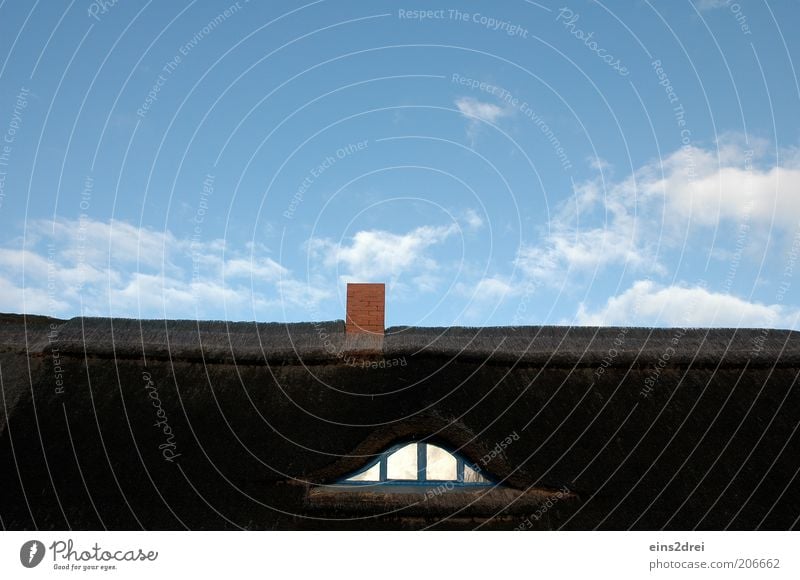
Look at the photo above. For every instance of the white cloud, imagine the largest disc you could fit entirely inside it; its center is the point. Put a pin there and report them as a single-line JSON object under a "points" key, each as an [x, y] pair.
{"points": [[493, 289], [632, 222], [575, 243], [308, 294], [579, 250], [263, 268], [598, 163], [426, 282], [380, 255], [484, 297], [474, 109], [649, 304], [101, 243], [472, 219], [477, 111], [115, 268], [36, 300], [733, 181]]}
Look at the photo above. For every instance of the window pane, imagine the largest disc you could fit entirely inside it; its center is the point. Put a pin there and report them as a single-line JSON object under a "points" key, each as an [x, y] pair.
{"points": [[441, 464], [472, 476], [402, 464], [371, 474]]}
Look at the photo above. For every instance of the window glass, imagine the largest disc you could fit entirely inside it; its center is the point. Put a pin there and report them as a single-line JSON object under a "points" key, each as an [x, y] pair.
{"points": [[441, 464], [402, 464], [371, 474], [472, 476]]}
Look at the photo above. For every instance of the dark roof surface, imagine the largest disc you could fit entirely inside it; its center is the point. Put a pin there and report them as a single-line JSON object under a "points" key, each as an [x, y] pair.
{"points": [[327, 341]]}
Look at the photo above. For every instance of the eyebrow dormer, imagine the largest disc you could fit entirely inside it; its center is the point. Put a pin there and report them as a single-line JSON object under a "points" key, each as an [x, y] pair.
{"points": [[418, 463]]}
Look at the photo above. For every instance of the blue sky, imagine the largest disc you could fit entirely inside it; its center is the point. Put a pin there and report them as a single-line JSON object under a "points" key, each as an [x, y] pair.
{"points": [[514, 163]]}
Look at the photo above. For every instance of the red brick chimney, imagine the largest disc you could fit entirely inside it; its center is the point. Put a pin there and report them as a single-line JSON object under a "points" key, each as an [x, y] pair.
{"points": [[365, 308]]}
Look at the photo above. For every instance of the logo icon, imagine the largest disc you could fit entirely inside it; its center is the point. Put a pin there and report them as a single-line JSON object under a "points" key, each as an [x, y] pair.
{"points": [[31, 553]]}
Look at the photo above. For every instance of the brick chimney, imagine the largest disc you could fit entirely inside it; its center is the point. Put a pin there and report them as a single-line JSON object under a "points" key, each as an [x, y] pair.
{"points": [[365, 308]]}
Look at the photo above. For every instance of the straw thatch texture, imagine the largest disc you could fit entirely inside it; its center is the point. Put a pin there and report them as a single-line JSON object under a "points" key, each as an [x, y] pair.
{"points": [[649, 428]]}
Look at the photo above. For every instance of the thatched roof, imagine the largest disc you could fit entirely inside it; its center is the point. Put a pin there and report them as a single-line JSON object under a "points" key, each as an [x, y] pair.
{"points": [[429, 501], [640, 446], [201, 339], [326, 341], [20, 332], [593, 345]]}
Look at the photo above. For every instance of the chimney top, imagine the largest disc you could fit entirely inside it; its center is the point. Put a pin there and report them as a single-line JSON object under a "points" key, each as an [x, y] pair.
{"points": [[366, 303]]}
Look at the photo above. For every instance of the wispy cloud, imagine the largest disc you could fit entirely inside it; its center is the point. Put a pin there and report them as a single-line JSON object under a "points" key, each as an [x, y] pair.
{"points": [[587, 233], [116, 268], [472, 219], [484, 297], [374, 255], [474, 109], [478, 111], [706, 199], [632, 222]]}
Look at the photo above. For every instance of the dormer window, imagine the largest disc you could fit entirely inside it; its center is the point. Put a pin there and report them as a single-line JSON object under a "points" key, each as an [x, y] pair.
{"points": [[423, 480], [418, 463]]}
